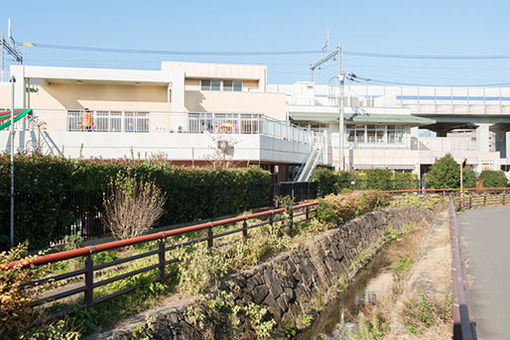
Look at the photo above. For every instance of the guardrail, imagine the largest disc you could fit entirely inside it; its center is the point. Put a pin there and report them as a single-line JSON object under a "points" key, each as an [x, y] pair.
{"points": [[463, 327], [91, 271]]}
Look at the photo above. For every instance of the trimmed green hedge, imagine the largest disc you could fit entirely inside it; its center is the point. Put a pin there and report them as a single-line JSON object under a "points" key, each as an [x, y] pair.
{"points": [[333, 182], [50, 191], [493, 179]]}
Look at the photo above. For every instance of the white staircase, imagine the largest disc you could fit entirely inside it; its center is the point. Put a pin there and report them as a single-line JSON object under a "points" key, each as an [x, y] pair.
{"points": [[311, 162]]}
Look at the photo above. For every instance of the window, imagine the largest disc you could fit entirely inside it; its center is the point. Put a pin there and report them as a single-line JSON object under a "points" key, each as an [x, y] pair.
{"points": [[238, 86], [221, 85], [215, 85], [205, 85], [227, 85], [375, 134]]}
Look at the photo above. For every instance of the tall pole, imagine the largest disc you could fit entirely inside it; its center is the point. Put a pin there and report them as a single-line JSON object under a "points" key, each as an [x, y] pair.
{"points": [[341, 157], [13, 80]]}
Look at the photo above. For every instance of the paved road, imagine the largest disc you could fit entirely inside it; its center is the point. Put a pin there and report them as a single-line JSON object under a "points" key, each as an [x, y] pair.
{"points": [[487, 248]]}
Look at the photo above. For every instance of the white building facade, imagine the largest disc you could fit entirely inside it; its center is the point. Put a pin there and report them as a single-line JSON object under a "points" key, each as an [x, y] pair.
{"points": [[406, 128], [197, 113]]}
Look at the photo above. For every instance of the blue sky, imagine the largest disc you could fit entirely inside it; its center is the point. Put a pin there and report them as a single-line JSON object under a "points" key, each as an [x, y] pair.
{"points": [[407, 27]]}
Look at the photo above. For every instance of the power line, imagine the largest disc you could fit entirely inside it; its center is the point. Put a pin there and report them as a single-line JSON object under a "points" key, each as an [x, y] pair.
{"points": [[388, 82], [167, 52], [426, 56], [263, 53]]}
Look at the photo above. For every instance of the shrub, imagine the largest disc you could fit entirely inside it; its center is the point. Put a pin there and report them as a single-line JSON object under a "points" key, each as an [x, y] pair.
{"points": [[376, 179], [52, 193], [132, 206], [335, 209], [445, 173], [15, 302], [493, 179], [331, 182]]}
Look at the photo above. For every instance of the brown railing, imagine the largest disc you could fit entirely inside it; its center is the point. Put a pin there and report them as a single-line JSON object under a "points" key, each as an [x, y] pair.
{"points": [[82, 281], [463, 327]]}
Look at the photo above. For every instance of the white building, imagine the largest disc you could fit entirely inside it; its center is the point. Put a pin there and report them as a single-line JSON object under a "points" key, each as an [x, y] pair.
{"points": [[196, 113], [383, 125]]}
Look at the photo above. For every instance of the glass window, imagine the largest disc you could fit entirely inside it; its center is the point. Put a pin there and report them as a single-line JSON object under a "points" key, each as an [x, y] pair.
{"points": [[370, 133], [227, 85], [215, 85], [360, 134], [205, 84], [379, 134], [238, 86], [351, 133]]}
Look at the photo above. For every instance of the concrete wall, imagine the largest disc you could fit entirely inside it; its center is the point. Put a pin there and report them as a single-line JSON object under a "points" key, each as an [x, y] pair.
{"points": [[269, 104], [174, 146], [290, 284]]}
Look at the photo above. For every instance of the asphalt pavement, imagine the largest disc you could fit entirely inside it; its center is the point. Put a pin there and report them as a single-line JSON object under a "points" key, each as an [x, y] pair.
{"points": [[486, 246]]}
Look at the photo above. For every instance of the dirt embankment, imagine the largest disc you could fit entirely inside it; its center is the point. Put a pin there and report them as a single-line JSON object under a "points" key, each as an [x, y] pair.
{"points": [[422, 309]]}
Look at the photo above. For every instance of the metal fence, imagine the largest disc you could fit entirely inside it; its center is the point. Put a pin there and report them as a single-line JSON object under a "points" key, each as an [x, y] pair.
{"points": [[108, 121], [299, 191], [246, 123], [92, 276], [463, 326]]}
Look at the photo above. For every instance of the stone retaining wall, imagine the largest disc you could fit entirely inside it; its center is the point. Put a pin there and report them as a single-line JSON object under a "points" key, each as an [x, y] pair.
{"points": [[295, 283]]}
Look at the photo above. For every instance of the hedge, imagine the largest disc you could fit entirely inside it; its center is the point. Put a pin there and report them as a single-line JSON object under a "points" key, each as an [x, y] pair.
{"points": [[50, 191], [445, 173], [493, 179], [333, 182]]}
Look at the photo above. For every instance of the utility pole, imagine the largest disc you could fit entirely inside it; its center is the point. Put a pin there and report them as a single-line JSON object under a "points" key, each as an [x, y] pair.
{"points": [[8, 45], [341, 76], [12, 80], [338, 53]]}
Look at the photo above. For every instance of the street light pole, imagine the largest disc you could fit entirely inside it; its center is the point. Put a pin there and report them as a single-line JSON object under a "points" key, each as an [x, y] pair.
{"points": [[341, 157], [12, 80]]}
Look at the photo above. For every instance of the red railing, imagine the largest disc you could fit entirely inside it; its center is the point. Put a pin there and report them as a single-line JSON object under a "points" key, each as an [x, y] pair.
{"points": [[88, 273]]}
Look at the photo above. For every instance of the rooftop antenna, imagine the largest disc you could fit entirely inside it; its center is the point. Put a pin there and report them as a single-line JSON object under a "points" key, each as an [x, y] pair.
{"points": [[8, 45]]}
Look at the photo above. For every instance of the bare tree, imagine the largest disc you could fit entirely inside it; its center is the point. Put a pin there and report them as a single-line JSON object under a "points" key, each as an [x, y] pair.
{"points": [[132, 206]]}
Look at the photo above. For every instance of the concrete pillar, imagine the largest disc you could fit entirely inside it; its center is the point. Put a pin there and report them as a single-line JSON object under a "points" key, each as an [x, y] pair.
{"points": [[178, 116], [482, 137], [501, 142], [442, 133]]}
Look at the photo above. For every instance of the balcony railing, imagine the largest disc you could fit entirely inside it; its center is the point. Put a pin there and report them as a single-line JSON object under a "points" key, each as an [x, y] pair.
{"points": [[108, 121], [245, 123]]}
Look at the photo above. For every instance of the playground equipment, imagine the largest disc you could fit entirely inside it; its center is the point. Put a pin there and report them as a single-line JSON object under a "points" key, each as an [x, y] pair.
{"points": [[5, 117], [227, 128]]}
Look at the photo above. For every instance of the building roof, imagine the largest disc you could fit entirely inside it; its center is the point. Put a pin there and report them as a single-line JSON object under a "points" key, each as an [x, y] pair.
{"points": [[362, 118]]}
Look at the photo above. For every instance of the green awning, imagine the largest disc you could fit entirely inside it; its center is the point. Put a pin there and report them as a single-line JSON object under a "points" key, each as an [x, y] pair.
{"points": [[362, 118]]}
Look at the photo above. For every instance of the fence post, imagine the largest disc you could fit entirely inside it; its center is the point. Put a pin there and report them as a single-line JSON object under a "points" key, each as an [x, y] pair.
{"points": [[271, 218], [470, 199], [485, 198], [161, 257], [209, 237], [89, 280], [504, 197], [291, 217], [245, 229], [307, 212]]}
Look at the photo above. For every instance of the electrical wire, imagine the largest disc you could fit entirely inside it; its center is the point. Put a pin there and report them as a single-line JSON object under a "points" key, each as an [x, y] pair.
{"points": [[388, 82], [426, 56], [167, 52], [262, 53]]}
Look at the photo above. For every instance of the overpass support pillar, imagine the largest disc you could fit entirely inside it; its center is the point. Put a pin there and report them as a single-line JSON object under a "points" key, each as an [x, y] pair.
{"points": [[501, 143], [482, 137]]}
